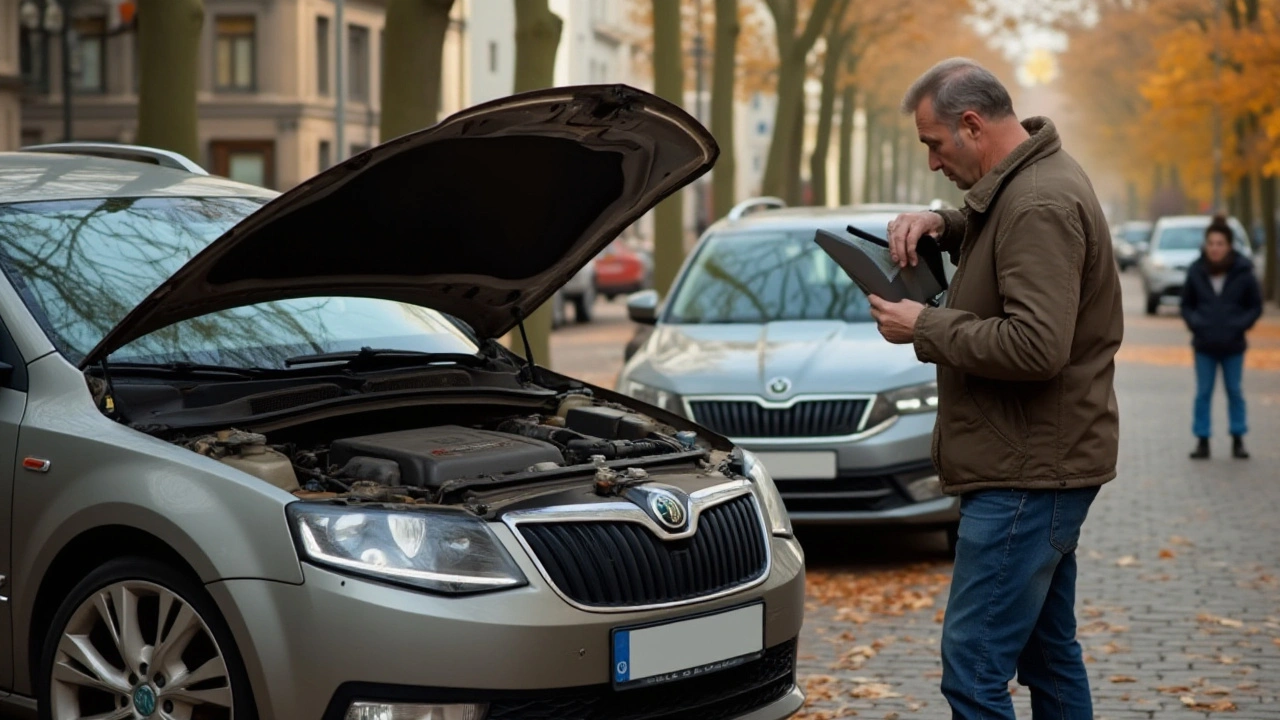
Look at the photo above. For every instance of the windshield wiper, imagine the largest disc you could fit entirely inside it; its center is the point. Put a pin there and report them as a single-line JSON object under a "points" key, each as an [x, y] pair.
{"points": [[366, 354], [189, 368]]}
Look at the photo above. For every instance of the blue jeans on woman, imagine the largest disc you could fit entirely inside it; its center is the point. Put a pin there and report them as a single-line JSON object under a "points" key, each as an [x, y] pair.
{"points": [[1206, 374], [1012, 606]]}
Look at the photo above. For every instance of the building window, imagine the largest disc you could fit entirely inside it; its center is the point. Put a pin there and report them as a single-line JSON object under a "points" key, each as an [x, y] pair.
{"points": [[236, 56], [34, 59], [326, 155], [322, 55], [493, 56], [358, 62], [247, 161], [91, 55]]}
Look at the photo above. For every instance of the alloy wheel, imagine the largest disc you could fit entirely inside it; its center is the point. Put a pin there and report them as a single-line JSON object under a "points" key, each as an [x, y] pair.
{"points": [[135, 650]]}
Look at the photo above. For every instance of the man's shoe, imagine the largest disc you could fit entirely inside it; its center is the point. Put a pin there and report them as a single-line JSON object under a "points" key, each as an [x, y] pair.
{"points": [[1202, 450], [1237, 448]]}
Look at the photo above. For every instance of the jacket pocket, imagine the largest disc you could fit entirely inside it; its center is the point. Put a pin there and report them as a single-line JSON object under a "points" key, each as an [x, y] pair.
{"points": [[1000, 409], [980, 444]]}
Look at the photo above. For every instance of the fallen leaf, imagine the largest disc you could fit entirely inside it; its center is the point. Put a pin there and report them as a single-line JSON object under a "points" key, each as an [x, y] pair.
{"points": [[1251, 685], [1173, 689], [1179, 540], [1123, 679], [1127, 561], [874, 691], [1227, 660], [1114, 648], [1167, 554], [1216, 690]]}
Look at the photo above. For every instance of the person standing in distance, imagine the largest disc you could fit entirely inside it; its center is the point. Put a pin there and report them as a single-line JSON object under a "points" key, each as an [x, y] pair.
{"points": [[1028, 426]]}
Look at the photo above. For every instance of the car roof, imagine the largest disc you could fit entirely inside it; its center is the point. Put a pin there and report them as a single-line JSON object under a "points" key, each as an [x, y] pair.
{"points": [[809, 216], [1190, 220], [39, 177]]}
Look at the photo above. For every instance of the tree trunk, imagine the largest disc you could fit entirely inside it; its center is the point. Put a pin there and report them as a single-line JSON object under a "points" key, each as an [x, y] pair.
{"points": [[869, 176], [795, 184], [169, 58], [537, 38], [668, 83], [1268, 207], [792, 52], [895, 172], [826, 111], [413, 46], [847, 100], [724, 177]]}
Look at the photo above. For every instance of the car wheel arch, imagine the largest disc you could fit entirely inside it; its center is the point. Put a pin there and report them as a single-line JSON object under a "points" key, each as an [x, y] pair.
{"points": [[75, 559]]}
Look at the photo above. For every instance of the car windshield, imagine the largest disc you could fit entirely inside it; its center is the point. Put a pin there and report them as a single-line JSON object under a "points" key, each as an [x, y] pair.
{"points": [[82, 265], [1136, 234], [1191, 237], [767, 276]]}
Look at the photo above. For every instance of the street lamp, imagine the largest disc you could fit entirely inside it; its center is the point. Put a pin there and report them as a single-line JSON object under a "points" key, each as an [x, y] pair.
{"points": [[53, 17]]}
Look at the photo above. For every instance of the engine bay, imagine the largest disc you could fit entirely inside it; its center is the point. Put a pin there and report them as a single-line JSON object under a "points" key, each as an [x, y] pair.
{"points": [[579, 437]]}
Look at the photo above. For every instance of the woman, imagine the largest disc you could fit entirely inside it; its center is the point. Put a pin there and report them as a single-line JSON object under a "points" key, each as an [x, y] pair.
{"points": [[1220, 301]]}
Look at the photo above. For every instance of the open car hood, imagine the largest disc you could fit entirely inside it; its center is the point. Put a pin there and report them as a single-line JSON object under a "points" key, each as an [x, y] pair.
{"points": [[482, 216]]}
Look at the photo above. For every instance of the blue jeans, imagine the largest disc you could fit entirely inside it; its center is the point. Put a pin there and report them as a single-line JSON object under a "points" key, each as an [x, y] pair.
{"points": [[1012, 606], [1206, 373]]}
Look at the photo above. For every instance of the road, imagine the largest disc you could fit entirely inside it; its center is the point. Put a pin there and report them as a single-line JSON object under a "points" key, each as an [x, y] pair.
{"points": [[1179, 591]]}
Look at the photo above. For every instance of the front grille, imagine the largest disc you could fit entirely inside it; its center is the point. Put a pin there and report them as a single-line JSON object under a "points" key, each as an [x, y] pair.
{"points": [[623, 564], [726, 694], [807, 418]]}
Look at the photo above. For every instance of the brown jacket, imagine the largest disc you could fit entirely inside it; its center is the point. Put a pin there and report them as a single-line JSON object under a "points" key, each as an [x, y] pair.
{"points": [[1025, 345]]}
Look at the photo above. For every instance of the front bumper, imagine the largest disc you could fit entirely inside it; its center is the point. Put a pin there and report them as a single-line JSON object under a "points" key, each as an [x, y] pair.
{"points": [[307, 646], [872, 477]]}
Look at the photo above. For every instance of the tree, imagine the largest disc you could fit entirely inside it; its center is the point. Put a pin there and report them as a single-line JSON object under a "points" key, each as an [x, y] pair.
{"points": [[668, 83], [537, 39], [793, 51], [413, 48], [724, 177], [168, 60], [835, 42]]}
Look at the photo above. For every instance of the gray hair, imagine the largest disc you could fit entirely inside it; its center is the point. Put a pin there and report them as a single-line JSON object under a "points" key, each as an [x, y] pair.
{"points": [[956, 86]]}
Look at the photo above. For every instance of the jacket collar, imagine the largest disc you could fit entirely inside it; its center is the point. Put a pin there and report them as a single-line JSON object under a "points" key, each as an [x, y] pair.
{"points": [[1044, 141]]}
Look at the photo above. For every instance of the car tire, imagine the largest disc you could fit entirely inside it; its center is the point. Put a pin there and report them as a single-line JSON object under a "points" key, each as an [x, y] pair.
{"points": [[80, 632], [1153, 304], [584, 305]]}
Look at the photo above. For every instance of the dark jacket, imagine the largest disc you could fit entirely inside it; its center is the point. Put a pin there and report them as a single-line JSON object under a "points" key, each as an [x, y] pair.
{"points": [[1025, 346], [1218, 322]]}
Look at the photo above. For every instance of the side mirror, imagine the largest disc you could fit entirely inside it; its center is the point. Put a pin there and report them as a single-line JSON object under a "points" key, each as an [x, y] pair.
{"points": [[642, 307]]}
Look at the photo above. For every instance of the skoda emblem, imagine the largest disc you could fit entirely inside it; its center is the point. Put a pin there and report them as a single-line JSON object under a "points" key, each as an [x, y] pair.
{"points": [[144, 701], [779, 386], [667, 508]]}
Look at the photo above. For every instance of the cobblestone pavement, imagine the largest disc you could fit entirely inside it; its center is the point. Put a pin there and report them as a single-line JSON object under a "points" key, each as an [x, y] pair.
{"points": [[1179, 591]]}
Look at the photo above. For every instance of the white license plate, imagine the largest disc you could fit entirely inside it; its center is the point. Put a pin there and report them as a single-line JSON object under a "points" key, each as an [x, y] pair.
{"points": [[682, 649], [799, 465]]}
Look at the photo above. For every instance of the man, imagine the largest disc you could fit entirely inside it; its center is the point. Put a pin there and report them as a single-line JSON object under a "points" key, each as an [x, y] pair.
{"points": [[1028, 428]]}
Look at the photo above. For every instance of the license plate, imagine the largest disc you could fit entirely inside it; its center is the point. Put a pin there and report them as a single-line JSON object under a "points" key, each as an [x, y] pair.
{"points": [[799, 465], [654, 654]]}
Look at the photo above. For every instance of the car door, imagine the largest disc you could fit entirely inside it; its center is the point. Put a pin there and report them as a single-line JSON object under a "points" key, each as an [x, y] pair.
{"points": [[13, 403]]}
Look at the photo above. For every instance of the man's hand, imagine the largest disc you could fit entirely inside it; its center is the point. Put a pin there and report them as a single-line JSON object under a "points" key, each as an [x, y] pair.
{"points": [[896, 321], [905, 232]]}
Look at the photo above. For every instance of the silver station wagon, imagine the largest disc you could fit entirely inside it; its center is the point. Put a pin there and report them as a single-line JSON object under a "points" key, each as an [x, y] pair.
{"points": [[765, 340], [264, 456]]}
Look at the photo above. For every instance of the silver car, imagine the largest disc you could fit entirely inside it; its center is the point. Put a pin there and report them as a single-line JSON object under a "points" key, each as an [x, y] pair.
{"points": [[765, 340], [1175, 243], [267, 459]]}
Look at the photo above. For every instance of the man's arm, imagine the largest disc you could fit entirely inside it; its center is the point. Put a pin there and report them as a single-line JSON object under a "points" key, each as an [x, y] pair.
{"points": [[1040, 257]]}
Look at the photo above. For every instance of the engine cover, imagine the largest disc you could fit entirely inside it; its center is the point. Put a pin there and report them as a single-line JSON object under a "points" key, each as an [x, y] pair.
{"points": [[430, 457]]}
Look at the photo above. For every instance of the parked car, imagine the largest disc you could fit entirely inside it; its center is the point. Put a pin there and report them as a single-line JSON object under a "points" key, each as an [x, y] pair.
{"points": [[622, 271], [1125, 252], [580, 292], [1137, 233], [1175, 243], [266, 457], [766, 341]]}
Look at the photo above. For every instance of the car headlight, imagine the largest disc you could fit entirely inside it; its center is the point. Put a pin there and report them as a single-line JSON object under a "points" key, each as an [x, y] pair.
{"points": [[779, 521], [664, 399], [1158, 265], [903, 401], [446, 551]]}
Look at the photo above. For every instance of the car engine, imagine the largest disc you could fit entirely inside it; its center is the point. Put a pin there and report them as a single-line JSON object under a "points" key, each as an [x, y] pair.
{"points": [[426, 464]]}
